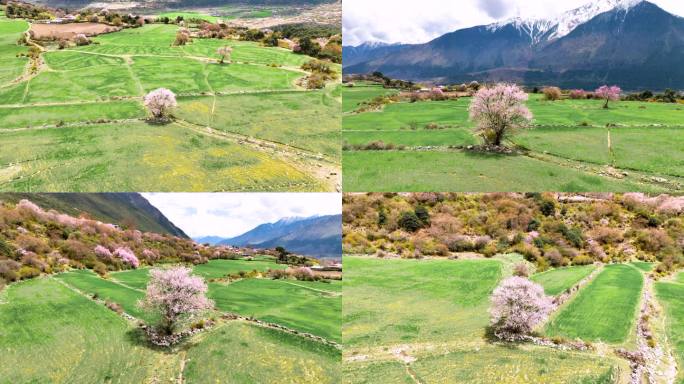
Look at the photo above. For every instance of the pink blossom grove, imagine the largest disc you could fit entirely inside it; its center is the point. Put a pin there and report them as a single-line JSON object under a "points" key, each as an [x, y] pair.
{"points": [[498, 112], [517, 306], [608, 94], [127, 256], [175, 295], [160, 102]]}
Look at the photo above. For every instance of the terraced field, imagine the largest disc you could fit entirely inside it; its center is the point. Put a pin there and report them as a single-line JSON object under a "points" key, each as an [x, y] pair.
{"points": [[409, 321], [670, 294], [603, 311], [556, 281], [86, 342], [78, 124], [573, 145]]}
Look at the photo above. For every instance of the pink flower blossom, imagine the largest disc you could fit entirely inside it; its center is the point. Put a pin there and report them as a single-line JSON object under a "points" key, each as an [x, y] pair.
{"points": [[160, 102], [499, 111], [127, 256], [517, 306], [103, 253]]}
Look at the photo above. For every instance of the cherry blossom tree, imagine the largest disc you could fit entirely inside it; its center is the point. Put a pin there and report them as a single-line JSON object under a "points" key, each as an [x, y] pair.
{"points": [[517, 306], [127, 256], [225, 53], [498, 112], [160, 102], [103, 253], [175, 295], [608, 94]]}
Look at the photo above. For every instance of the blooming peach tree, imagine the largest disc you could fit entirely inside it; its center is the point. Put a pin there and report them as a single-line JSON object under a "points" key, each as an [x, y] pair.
{"points": [[160, 102], [127, 256], [608, 94], [498, 112], [225, 53], [517, 306], [175, 295]]}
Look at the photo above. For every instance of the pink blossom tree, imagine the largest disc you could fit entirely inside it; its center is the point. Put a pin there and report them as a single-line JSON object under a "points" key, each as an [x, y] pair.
{"points": [[160, 102], [577, 94], [608, 94], [498, 112], [103, 253], [517, 306], [127, 256], [175, 295], [225, 53]]}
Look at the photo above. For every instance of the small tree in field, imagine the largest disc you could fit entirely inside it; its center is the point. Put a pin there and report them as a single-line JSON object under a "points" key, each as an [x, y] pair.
{"points": [[225, 53], [608, 94], [175, 295], [517, 306], [160, 102], [499, 111], [552, 93]]}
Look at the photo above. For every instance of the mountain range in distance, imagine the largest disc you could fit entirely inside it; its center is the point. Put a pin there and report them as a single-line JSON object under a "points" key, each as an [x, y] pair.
{"points": [[316, 236], [632, 43]]}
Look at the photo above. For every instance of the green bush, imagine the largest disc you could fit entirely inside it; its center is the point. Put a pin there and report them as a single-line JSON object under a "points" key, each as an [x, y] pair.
{"points": [[410, 222]]}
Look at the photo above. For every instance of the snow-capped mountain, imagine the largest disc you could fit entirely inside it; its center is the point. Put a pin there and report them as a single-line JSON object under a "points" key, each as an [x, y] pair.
{"points": [[372, 49], [540, 30], [632, 43]]}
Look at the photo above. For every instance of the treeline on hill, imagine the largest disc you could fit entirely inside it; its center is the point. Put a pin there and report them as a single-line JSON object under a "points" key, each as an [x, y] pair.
{"points": [[550, 230], [34, 241], [27, 11]]}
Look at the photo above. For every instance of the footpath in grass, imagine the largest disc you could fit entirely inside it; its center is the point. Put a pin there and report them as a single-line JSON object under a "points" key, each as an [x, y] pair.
{"points": [[556, 281], [605, 310]]}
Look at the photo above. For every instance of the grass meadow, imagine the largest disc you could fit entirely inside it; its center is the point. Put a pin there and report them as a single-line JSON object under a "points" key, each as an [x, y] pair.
{"points": [[88, 343], [78, 124], [426, 321], [557, 281], [671, 297], [572, 145]]}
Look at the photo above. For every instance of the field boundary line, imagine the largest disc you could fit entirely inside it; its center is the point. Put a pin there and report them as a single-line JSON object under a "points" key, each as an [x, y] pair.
{"points": [[564, 299], [329, 293], [126, 316]]}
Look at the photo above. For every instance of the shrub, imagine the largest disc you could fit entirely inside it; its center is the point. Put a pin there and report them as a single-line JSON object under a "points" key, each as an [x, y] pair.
{"points": [[577, 94], [423, 215], [410, 222], [521, 270], [554, 257], [552, 93], [116, 307], [607, 235], [304, 274], [498, 112], [517, 306], [9, 270], [27, 272]]}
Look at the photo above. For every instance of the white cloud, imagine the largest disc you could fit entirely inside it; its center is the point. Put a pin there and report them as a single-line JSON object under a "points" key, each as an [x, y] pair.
{"points": [[231, 214], [393, 21]]}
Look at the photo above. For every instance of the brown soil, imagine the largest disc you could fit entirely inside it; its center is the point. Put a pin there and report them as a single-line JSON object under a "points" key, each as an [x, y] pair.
{"points": [[69, 31]]}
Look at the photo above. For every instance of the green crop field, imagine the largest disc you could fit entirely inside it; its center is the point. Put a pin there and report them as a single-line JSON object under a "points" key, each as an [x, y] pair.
{"points": [[409, 321], [671, 297], [556, 281], [572, 145], [79, 124], [51, 334], [605, 310]]}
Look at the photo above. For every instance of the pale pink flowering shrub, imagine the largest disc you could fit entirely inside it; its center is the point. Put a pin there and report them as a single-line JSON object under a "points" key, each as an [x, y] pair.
{"points": [[160, 102], [225, 53], [175, 295], [498, 112], [577, 94], [127, 256], [103, 252], [150, 255], [608, 94], [517, 306], [303, 273]]}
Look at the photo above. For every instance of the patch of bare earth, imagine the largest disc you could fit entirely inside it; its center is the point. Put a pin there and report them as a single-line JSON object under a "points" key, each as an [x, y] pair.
{"points": [[321, 14], [69, 31]]}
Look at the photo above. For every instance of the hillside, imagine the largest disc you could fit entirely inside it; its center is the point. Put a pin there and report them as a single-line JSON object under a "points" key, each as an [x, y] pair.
{"points": [[549, 230], [125, 209], [610, 41], [181, 3], [317, 236]]}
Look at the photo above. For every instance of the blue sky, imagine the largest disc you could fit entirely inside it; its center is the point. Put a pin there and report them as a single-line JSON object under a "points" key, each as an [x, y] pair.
{"points": [[393, 21], [231, 214]]}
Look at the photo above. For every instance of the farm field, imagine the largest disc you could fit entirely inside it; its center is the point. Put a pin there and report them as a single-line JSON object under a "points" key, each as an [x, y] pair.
{"points": [[426, 321], [88, 343], [556, 281], [78, 123], [572, 145], [602, 310], [671, 296]]}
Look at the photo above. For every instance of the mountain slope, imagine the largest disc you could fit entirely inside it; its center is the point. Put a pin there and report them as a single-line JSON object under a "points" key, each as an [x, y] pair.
{"points": [[318, 236], [129, 209], [632, 43]]}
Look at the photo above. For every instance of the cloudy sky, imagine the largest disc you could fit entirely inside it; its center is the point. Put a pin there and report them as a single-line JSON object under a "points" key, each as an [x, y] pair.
{"points": [[232, 214], [393, 21]]}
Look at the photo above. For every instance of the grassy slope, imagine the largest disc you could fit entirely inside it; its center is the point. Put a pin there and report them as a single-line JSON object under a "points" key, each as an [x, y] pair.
{"points": [[11, 66], [556, 281], [671, 297], [604, 310]]}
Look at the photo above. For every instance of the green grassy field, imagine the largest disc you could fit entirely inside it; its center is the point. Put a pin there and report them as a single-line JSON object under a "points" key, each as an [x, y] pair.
{"points": [[436, 311], [671, 297], [94, 93], [569, 143], [190, 16], [313, 307], [605, 310], [556, 281], [51, 334]]}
